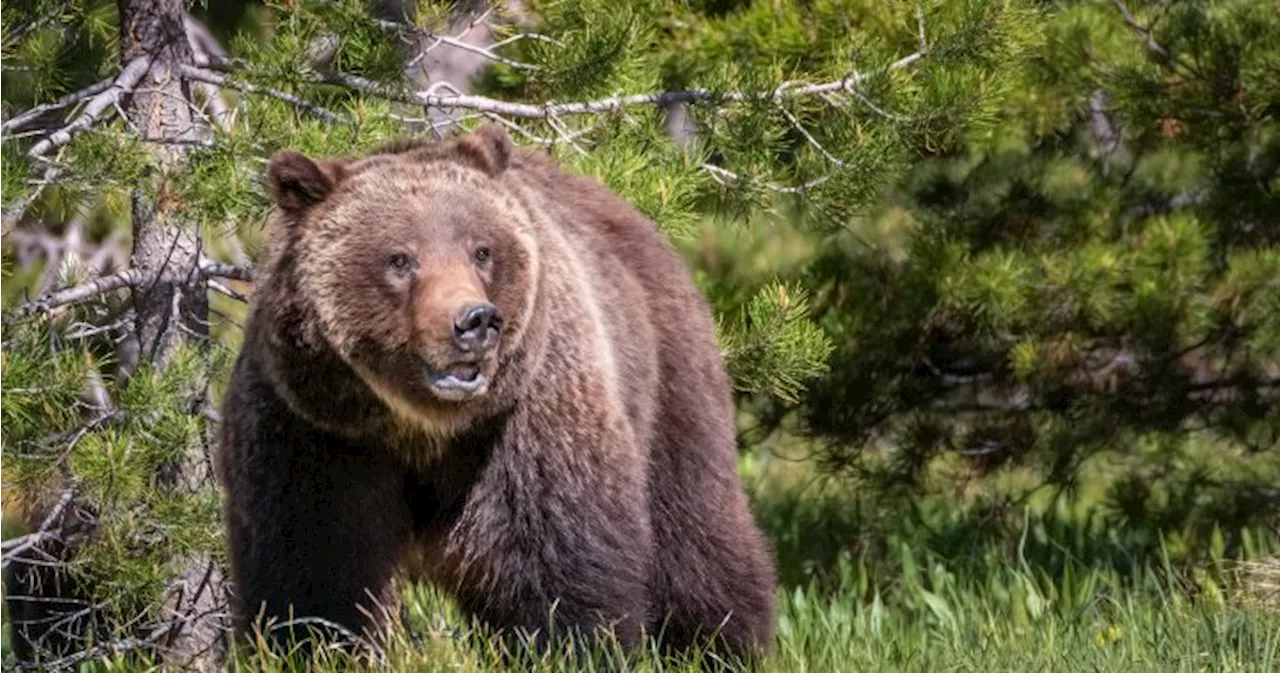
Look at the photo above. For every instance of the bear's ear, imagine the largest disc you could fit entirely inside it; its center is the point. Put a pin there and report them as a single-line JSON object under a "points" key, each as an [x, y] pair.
{"points": [[297, 183], [489, 147]]}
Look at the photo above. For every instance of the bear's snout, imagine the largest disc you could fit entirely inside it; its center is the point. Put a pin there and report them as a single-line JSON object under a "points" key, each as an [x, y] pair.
{"points": [[476, 328]]}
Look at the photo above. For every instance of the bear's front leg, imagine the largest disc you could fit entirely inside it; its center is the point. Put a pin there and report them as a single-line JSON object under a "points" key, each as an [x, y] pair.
{"points": [[316, 526], [554, 538]]}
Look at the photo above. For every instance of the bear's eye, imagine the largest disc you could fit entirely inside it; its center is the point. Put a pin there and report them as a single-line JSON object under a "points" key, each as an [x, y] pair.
{"points": [[401, 262], [482, 254]]}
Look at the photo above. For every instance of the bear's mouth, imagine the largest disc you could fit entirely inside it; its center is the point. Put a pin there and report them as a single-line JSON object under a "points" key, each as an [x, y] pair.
{"points": [[457, 381]]}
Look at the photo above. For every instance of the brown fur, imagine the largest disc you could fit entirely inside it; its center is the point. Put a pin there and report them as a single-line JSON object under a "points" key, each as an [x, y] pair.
{"points": [[596, 472]]}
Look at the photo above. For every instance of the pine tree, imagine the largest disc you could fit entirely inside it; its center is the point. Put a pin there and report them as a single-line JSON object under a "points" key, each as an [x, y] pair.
{"points": [[1093, 275], [140, 122]]}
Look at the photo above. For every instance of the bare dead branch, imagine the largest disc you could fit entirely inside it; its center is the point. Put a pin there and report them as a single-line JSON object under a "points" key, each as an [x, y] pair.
{"points": [[436, 126], [213, 78], [601, 105], [204, 46], [12, 548], [560, 137], [728, 178], [112, 647], [216, 269], [526, 36], [201, 39], [28, 116], [18, 207], [1132, 22], [100, 103], [79, 293], [226, 291], [456, 41]]}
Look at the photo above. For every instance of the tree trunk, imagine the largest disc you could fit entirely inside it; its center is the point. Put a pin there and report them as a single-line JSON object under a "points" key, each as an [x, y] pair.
{"points": [[172, 309]]}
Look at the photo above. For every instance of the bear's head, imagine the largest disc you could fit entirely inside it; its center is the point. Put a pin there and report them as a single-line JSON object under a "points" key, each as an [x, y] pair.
{"points": [[415, 265]]}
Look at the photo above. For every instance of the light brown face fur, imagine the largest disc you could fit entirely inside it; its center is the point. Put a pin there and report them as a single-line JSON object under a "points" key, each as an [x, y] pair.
{"points": [[421, 271]]}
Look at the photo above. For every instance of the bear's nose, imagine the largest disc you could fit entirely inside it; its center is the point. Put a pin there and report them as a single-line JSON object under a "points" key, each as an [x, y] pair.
{"points": [[472, 327]]}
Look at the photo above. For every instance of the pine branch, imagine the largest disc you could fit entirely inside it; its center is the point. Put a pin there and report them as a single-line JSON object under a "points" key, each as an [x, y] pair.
{"points": [[1188, 199], [215, 269], [456, 41], [97, 106], [18, 207], [12, 548], [22, 120], [23, 31], [102, 97], [79, 293], [213, 78], [1148, 36], [1132, 22], [484, 104], [601, 105]]}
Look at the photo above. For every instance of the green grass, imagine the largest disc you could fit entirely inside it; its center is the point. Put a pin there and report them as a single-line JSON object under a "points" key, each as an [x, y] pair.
{"points": [[1014, 621], [870, 582]]}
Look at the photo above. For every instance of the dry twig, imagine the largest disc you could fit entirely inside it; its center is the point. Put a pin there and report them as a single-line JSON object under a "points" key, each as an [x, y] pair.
{"points": [[216, 269], [28, 116], [79, 293], [94, 109], [215, 79]]}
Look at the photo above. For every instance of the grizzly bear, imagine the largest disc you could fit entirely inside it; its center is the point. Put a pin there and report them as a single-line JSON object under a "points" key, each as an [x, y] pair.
{"points": [[464, 363]]}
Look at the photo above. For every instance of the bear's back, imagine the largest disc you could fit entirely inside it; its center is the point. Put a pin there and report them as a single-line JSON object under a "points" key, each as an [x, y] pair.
{"points": [[660, 323]]}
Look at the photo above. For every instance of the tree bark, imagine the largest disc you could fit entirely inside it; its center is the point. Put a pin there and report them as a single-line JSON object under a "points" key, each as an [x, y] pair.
{"points": [[173, 309]]}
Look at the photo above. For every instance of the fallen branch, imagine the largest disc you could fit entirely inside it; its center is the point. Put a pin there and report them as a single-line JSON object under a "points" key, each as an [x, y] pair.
{"points": [[113, 647], [93, 111]]}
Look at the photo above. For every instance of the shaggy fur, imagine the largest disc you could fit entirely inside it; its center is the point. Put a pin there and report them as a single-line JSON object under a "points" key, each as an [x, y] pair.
{"points": [[591, 482]]}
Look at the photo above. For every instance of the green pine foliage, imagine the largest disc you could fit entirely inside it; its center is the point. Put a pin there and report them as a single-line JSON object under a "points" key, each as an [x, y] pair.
{"points": [[1095, 273], [848, 153], [114, 460]]}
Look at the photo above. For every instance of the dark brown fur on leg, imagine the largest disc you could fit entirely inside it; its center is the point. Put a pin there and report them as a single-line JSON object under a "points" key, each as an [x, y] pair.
{"points": [[317, 524]]}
